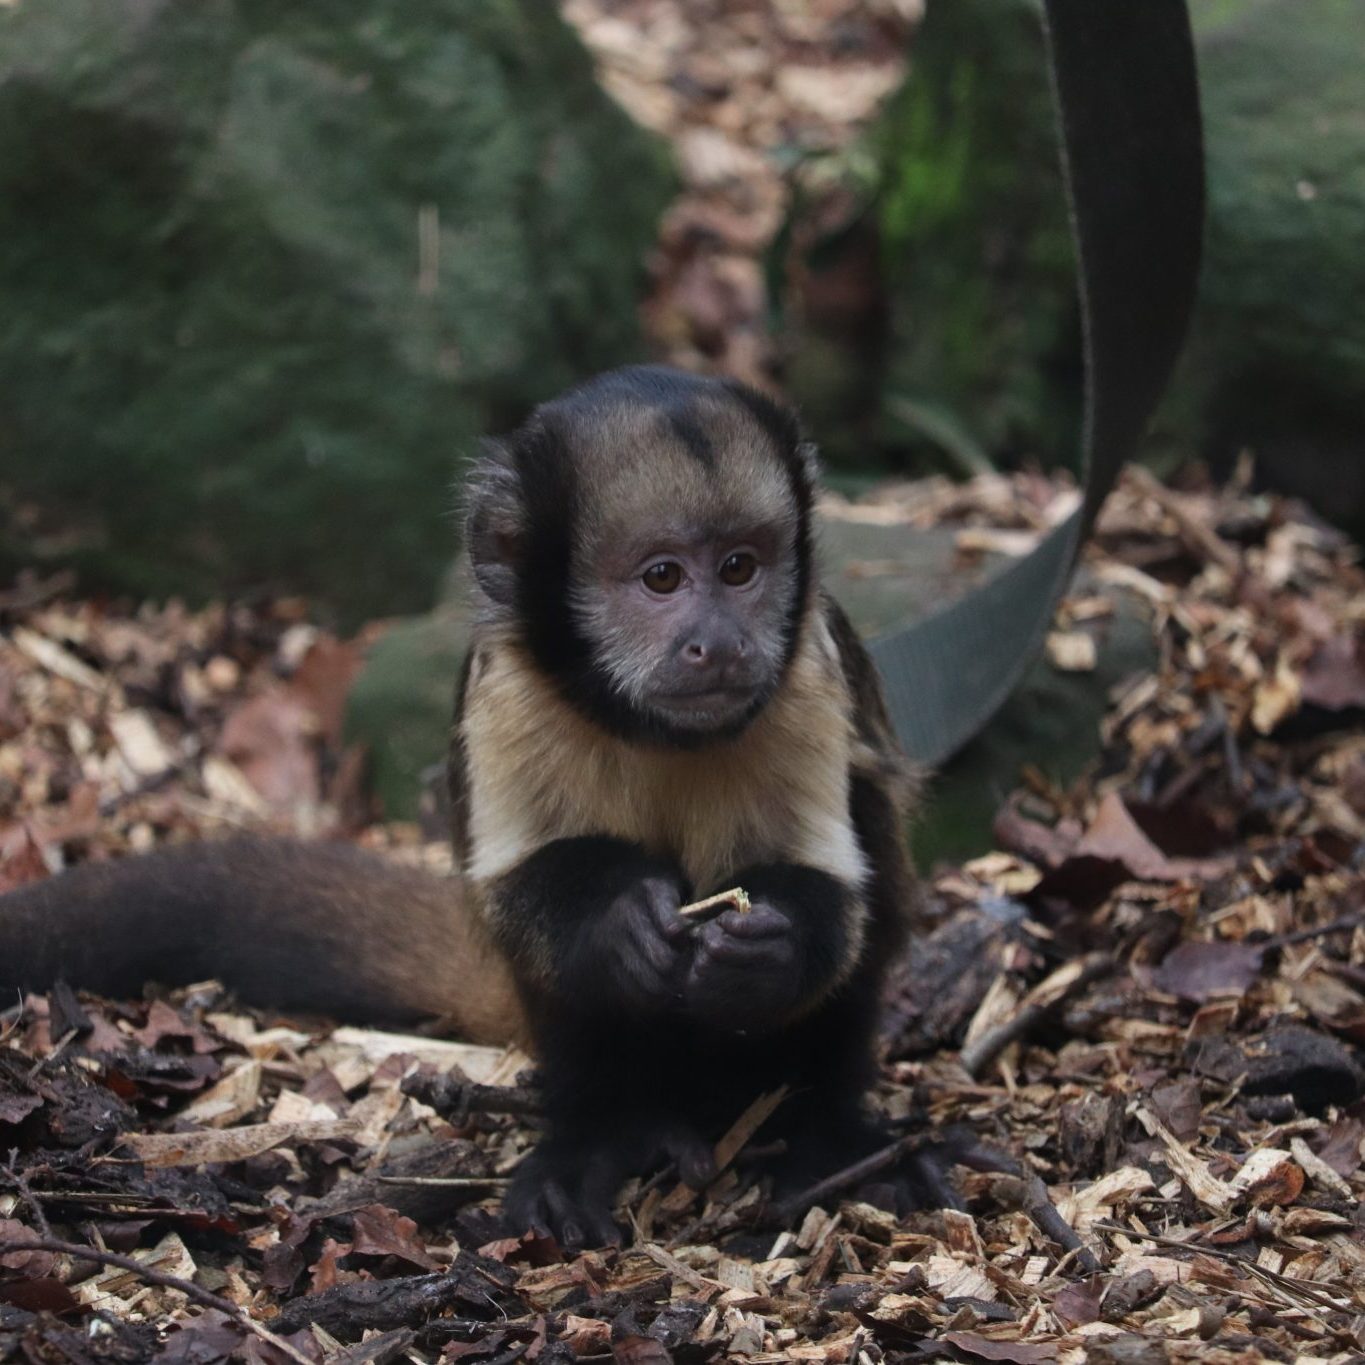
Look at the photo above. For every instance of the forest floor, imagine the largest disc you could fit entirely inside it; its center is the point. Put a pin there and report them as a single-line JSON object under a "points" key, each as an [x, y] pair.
{"points": [[1151, 995]]}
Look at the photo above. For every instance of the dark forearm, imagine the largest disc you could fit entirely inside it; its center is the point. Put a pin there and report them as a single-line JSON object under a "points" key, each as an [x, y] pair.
{"points": [[573, 919]]}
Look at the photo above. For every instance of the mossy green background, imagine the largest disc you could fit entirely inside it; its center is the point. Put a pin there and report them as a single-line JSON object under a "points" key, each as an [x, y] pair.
{"points": [[221, 369], [961, 179]]}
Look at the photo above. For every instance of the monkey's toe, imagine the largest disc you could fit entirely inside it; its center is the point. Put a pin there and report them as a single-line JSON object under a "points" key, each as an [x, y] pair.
{"points": [[547, 1195], [860, 1161], [693, 1155], [920, 1180]]}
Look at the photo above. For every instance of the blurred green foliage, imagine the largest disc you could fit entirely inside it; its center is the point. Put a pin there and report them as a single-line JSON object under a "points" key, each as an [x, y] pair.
{"points": [[270, 270], [967, 230], [982, 340]]}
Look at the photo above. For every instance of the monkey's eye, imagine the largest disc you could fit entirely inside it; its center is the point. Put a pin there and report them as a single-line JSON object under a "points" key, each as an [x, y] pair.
{"points": [[738, 569], [664, 577]]}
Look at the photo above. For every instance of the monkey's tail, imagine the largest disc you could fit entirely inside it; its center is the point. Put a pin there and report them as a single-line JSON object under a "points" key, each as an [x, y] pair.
{"points": [[313, 927]]}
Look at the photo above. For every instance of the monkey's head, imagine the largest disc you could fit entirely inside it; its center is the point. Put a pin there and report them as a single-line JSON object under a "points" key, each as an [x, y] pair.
{"points": [[647, 536]]}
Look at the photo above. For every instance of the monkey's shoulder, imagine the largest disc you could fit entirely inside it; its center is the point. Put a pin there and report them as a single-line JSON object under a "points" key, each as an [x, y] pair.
{"points": [[878, 756]]}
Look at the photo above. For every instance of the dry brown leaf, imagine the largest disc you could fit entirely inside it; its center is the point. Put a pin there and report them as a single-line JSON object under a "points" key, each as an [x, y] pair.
{"points": [[987, 1348], [1199, 970], [232, 1144], [1334, 677], [271, 740], [382, 1231], [1114, 835], [25, 864]]}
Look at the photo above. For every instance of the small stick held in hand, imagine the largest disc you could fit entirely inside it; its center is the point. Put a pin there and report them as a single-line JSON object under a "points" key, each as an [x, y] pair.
{"points": [[736, 897]]}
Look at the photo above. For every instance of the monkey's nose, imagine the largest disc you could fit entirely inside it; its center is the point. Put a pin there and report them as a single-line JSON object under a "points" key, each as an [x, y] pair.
{"points": [[714, 654]]}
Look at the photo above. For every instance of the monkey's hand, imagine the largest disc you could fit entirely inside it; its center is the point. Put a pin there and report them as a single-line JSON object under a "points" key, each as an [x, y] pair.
{"points": [[745, 973], [594, 922], [641, 946]]}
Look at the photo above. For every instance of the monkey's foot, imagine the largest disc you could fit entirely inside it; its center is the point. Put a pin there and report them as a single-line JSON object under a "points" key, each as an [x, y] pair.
{"points": [[571, 1200], [568, 1189]]}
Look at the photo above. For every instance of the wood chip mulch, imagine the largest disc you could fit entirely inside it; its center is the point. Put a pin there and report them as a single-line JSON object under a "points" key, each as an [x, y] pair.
{"points": [[1151, 993]]}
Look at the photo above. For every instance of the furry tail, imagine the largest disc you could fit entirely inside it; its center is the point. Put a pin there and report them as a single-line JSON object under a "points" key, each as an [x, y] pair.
{"points": [[314, 927]]}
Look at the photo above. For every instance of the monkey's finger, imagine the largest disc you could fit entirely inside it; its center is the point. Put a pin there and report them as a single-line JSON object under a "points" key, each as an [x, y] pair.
{"points": [[602, 1177], [601, 1228], [653, 949], [663, 900], [564, 1216], [762, 921], [718, 946], [525, 1209], [928, 1170], [694, 1157]]}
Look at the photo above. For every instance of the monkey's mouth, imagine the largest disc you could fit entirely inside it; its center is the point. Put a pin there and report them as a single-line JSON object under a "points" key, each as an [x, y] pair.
{"points": [[705, 708]]}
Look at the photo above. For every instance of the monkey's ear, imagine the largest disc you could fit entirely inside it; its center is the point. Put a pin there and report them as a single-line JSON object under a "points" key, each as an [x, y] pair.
{"points": [[495, 521], [808, 456]]}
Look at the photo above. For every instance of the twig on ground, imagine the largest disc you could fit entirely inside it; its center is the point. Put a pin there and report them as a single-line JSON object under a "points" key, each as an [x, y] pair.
{"points": [[732, 1142], [1343, 925], [849, 1176], [1035, 1201], [1033, 1009], [204, 1297], [451, 1182], [19, 1182], [451, 1095], [1291, 1284]]}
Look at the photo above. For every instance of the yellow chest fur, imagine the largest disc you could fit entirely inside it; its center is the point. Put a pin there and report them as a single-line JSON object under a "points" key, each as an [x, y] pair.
{"points": [[779, 792]]}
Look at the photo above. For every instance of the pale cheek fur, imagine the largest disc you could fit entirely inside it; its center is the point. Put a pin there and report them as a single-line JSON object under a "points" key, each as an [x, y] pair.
{"points": [[624, 645]]}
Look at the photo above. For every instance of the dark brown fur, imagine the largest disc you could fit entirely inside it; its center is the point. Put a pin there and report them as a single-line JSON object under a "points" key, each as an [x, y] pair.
{"points": [[313, 927]]}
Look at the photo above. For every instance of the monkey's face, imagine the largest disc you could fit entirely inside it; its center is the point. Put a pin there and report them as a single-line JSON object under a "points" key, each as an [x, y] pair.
{"points": [[690, 623], [648, 537]]}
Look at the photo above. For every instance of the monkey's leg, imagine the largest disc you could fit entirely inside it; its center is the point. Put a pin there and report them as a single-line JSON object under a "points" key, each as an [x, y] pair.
{"points": [[622, 1096], [592, 928], [313, 927]]}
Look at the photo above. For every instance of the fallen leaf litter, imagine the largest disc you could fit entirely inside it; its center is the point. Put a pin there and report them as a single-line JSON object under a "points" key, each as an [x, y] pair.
{"points": [[1157, 979]]}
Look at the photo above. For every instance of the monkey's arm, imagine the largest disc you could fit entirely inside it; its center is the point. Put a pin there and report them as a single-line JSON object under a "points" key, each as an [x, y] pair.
{"points": [[592, 929], [592, 923], [305, 926]]}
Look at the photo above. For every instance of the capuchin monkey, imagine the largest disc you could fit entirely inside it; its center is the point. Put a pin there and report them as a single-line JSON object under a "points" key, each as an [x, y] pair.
{"points": [[658, 703]]}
